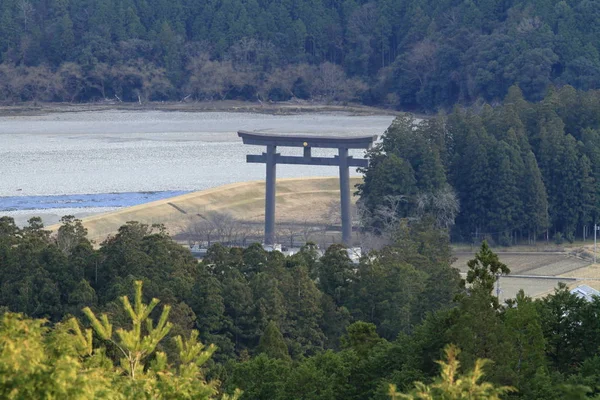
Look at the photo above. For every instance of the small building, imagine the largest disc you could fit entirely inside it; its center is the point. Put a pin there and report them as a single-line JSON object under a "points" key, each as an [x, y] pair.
{"points": [[585, 292]]}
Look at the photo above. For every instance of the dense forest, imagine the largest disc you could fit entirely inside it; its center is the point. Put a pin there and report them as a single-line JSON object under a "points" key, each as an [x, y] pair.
{"points": [[517, 172], [410, 54], [278, 327]]}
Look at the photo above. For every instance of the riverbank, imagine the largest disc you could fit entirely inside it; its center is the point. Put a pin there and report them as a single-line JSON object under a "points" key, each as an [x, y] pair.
{"points": [[300, 201], [273, 108]]}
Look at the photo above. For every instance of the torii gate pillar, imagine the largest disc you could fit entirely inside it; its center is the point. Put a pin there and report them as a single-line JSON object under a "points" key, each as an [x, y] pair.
{"points": [[271, 158], [345, 197], [270, 195]]}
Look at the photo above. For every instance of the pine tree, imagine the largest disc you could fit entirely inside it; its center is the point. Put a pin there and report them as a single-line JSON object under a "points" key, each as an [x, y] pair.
{"points": [[591, 146], [523, 327], [303, 300], [534, 197], [269, 301], [63, 362], [335, 273], [388, 176], [484, 270], [561, 315], [506, 209], [451, 386], [134, 346], [239, 310], [133, 26], [587, 191], [272, 343], [420, 144], [559, 163], [66, 37], [473, 176], [171, 56]]}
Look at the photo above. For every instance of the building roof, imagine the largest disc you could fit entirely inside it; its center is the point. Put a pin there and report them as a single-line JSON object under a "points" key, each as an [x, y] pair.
{"points": [[585, 292]]}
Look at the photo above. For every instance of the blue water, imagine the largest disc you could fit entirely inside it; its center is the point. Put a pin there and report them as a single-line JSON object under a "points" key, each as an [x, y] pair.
{"points": [[17, 203]]}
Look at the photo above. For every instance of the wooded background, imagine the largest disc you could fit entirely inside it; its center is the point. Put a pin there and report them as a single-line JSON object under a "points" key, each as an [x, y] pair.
{"points": [[410, 54]]}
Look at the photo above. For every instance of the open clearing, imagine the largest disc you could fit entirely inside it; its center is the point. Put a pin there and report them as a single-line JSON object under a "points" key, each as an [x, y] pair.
{"points": [[536, 273], [299, 200], [539, 264]]}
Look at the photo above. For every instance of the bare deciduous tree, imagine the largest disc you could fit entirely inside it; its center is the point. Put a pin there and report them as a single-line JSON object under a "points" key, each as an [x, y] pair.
{"points": [[70, 234], [331, 83], [290, 231], [225, 225], [388, 213], [26, 10], [71, 78], [386, 217], [252, 54], [421, 60], [307, 230], [443, 205], [214, 79], [333, 215], [219, 227]]}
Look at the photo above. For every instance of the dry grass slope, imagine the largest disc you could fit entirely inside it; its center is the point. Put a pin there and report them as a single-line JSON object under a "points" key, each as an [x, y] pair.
{"points": [[298, 200]]}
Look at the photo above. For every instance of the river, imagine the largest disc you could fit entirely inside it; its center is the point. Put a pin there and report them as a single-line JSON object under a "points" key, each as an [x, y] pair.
{"points": [[88, 162]]}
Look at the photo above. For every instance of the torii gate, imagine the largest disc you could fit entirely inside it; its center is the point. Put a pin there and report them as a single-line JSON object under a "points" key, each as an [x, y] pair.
{"points": [[272, 158]]}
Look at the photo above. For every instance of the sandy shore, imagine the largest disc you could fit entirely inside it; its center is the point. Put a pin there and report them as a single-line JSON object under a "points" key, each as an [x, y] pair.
{"points": [[275, 108]]}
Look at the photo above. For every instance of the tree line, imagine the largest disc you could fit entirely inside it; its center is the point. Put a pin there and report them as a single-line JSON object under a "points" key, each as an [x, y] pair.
{"points": [[519, 172], [283, 327], [233, 294], [410, 54]]}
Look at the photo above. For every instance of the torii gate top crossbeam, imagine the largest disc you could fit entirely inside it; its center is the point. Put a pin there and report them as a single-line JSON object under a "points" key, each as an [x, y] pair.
{"points": [[335, 142]]}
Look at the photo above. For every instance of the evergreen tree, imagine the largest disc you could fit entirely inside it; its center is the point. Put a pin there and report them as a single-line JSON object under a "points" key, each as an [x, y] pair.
{"points": [[261, 378], [335, 273], [524, 329], [484, 270], [561, 316], [303, 300], [63, 362], [472, 175], [452, 387], [272, 344], [506, 209], [535, 200]]}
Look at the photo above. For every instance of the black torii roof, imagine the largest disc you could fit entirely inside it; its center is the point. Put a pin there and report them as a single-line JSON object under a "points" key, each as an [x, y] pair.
{"points": [[347, 142]]}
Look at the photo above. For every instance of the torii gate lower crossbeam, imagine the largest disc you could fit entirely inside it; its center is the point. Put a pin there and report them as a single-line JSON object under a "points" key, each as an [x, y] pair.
{"points": [[271, 158]]}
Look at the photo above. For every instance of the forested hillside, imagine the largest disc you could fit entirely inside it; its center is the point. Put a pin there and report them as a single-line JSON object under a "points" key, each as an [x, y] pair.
{"points": [[410, 54], [298, 327], [521, 171]]}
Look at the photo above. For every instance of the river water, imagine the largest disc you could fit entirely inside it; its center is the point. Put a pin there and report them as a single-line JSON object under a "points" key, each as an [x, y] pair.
{"points": [[89, 162]]}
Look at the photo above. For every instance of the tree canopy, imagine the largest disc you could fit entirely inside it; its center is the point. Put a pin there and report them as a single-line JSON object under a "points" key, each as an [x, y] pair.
{"points": [[515, 172], [303, 326], [410, 54]]}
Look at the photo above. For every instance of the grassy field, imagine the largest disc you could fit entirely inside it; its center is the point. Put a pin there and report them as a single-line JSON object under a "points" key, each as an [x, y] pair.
{"points": [[539, 264], [298, 200], [537, 273]]}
